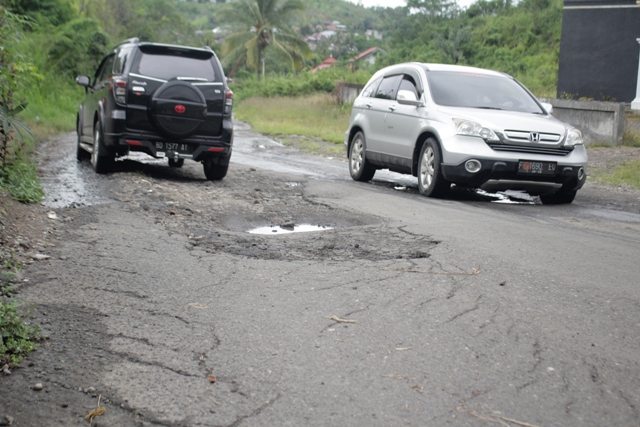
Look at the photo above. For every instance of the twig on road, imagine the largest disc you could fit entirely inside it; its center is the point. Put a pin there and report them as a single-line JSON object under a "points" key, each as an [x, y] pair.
{"points": [[337, 319]]}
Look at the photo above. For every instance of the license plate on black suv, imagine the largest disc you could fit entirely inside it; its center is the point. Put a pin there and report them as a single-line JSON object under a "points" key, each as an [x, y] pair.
{"points": [[173, 147], [527, 167]]}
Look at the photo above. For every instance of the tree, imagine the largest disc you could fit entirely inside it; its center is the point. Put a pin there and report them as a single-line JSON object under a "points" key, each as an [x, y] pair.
{"points": [[451, 45], [434, 9], [54, 12], [12, 67], [264, 24]]}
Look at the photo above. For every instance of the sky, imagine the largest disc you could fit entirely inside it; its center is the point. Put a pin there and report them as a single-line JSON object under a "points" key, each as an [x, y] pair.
{"points": [[396, 3]]}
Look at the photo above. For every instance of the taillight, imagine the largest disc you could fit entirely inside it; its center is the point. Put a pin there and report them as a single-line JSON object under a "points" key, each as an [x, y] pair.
{"points": [[228, 101], [119, 87]]}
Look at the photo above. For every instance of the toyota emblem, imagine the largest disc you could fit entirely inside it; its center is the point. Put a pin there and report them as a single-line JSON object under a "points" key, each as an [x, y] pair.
{"points": [[180, 108]]}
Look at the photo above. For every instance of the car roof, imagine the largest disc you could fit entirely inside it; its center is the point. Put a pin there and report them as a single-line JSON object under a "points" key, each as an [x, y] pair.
{"points": [[443, 67], [461, 69]]}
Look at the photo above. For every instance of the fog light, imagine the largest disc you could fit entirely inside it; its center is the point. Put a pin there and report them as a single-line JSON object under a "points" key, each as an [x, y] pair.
{"points": [[472, 166], [580, 173]]}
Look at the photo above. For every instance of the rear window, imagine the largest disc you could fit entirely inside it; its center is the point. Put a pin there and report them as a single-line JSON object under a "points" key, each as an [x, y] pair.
{"points": [[168, 63]]}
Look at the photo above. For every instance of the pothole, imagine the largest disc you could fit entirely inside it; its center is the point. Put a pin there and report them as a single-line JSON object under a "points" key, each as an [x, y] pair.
{"points": [[285, 229]]}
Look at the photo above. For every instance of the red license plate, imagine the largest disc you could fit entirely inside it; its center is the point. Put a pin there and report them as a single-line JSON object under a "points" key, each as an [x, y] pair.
{"points": [[527, 167]]}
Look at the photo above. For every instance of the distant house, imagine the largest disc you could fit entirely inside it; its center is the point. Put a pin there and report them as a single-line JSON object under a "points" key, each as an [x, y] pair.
{"points": [[327, 34], [368, 56], [325, 64], [373, 33]]}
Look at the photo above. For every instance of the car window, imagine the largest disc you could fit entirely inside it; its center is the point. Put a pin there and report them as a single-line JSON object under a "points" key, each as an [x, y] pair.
{"points": [[370, 90], [168, 62], [121, 60], [105, 69], [388, 87], [408, 83], [456, 89]]}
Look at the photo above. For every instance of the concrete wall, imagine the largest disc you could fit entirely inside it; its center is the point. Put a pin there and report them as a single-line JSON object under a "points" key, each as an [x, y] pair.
{"points": [[347, 93], [599, 122]]}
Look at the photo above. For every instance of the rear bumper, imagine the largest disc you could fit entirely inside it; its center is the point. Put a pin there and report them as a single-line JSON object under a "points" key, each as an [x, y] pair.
{"points": [[194, 147]]}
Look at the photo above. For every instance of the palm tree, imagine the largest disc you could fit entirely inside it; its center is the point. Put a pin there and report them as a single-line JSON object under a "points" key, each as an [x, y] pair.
{"points": [[264, 24]]}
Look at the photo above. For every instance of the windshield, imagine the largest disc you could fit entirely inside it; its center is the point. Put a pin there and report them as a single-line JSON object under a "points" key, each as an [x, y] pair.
{"points": [[470, 90]]}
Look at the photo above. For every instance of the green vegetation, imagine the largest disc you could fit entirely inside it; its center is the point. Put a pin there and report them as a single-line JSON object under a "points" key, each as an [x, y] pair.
{"points": [[22, 182], [316, 115], [262, 25], [18, 337], [625, 174]]}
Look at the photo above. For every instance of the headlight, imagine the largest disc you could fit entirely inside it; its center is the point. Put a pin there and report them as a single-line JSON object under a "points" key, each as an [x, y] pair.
{"points": [[574, 137], [469, 128]]}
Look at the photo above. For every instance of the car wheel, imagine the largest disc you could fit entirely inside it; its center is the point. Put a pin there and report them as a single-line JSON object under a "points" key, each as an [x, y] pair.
{"points": [[359, 168], [214, 171], [431, 182], [558, 198], [101, 158], [176, 163]]}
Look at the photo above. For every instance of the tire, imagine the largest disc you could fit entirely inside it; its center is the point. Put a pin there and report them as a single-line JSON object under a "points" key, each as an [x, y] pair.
{"points": [[176, 163], [558, 198], [214, 171], [359, 168], [431, 182], [102, 159], [177, 109]]}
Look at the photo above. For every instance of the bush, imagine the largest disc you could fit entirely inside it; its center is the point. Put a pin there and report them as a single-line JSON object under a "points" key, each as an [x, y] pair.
{"points": [[22, 182], [324, 81], [18, 337]]}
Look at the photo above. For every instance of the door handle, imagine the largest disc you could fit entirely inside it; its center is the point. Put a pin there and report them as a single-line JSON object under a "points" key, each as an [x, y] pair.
{"points": [[368, 105], [393, 108]]}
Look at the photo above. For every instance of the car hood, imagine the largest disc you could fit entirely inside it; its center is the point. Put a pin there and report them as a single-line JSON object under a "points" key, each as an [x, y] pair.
{"points": [[500, 120]]}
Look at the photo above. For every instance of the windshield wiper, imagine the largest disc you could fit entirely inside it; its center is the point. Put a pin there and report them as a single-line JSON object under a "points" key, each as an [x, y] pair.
{"points": [[487, 108]]}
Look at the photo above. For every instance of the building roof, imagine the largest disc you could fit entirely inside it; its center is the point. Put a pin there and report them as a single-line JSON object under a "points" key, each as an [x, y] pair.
{"points": [[365, 53]]}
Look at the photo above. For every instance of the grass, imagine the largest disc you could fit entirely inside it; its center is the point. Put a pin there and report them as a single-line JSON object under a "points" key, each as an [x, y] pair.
{"points": [[21, 180], [317, 117], [625, 174]]}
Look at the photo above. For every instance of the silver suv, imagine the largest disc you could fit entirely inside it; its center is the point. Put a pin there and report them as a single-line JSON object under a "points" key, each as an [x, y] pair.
{"points": [[448, 124]]}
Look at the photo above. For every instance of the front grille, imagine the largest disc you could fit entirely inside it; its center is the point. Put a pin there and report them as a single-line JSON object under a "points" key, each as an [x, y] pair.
{"points": [[532, 137], [532, 148]]}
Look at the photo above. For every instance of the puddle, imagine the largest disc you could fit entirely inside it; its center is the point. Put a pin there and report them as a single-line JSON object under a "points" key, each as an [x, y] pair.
{"points": [[277, 229]]}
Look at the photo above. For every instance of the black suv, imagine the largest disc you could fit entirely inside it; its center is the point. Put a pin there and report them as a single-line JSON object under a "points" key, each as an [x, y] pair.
{"points": [[164, 100]]}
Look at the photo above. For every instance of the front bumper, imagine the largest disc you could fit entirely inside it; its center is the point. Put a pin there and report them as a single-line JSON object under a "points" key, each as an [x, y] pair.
{"points": [[496, 175]]}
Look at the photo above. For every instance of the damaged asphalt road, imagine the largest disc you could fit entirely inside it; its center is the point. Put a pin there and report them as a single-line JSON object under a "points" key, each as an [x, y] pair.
{"points": [[401, 310]]}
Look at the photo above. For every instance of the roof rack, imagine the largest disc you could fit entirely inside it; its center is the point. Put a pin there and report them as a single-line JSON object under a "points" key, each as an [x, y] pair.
{"points": [[131, 40]]}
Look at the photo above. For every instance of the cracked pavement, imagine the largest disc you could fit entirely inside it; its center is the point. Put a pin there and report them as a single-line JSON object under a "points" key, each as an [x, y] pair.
{"points": [[449, 312]]}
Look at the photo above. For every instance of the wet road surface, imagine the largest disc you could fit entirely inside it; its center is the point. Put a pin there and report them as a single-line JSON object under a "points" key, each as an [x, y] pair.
{"points": [[401, 310]]}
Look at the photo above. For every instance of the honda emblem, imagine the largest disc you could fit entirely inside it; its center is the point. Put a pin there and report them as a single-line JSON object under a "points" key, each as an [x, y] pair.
{"points": [[534, 137], [180, 108]]}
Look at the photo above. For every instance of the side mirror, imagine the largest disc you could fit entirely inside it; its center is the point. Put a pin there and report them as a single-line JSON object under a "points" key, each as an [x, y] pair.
{"points": [[548, 107], [83, 81], [406, 97]]}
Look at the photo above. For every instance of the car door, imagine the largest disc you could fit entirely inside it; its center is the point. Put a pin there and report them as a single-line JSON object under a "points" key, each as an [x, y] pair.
{"points": [[98, 91], [378, 109], [404, 121]]}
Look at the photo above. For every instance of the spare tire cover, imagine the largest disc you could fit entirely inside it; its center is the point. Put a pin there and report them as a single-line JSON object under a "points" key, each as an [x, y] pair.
{"points": [[177, 108]]}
